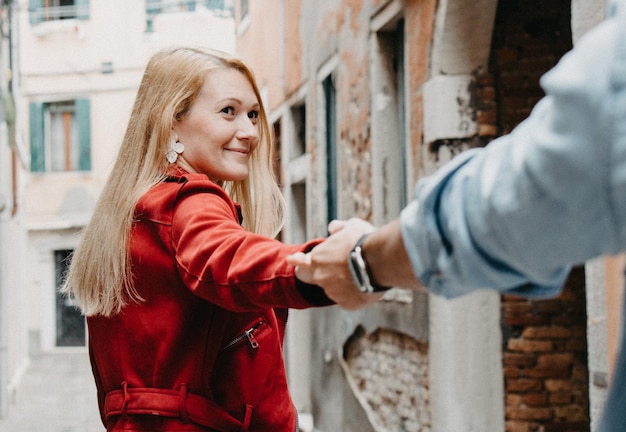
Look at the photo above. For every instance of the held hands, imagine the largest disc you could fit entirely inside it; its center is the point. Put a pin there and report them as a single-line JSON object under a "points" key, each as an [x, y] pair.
{"points": [[326, 265]]}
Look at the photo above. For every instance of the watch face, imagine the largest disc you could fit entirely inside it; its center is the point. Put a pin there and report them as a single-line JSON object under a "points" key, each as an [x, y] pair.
{"points": [[358, 268], [359, 272], [354, 269]]}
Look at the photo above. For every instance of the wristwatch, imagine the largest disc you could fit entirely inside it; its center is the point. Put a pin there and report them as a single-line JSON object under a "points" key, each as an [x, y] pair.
{"points": [[358, 268]]}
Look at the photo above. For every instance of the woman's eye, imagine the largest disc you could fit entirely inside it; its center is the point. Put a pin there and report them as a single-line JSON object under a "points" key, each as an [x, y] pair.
{"points": [[254, 115], [228, 110]]}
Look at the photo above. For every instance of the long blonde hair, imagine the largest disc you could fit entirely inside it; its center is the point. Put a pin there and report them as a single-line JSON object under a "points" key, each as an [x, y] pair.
{"points": [[100, 275]]}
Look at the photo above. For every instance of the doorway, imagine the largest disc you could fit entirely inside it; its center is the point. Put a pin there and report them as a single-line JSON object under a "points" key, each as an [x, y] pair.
{"points": [[70, 324]]}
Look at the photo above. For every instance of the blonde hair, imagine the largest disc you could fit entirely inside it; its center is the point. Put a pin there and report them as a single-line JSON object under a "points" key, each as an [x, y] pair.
{"points": [[100, 275]]}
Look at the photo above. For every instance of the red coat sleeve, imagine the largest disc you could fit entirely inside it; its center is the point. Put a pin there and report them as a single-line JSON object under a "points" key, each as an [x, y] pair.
{"points": [[233, 268]]}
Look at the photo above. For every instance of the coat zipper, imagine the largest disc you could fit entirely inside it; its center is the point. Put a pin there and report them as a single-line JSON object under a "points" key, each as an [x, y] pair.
{"points": [[249, 335]]}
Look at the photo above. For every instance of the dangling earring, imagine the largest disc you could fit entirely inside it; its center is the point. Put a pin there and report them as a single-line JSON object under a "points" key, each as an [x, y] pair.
{"points": [[173, 150]]}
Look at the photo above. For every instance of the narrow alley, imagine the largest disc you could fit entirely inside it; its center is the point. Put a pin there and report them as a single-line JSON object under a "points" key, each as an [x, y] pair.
{"points": [[56, 394]]}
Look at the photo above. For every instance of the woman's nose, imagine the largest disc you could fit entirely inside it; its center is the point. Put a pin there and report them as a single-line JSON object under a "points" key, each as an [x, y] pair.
{"points": [[248, 128]]}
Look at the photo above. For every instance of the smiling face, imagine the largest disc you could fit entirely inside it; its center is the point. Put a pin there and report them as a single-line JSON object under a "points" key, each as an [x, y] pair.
{"points": [[220, 129]]}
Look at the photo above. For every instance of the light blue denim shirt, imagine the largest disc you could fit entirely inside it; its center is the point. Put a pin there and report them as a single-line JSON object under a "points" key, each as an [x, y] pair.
{"points": [[517, 214]]}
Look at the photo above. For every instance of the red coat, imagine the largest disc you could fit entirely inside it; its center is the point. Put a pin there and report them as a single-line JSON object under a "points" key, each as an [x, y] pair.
{"points": [[204, 350]]}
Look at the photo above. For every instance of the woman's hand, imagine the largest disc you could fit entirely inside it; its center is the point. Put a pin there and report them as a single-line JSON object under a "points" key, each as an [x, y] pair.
{"points": [[327, 266]]}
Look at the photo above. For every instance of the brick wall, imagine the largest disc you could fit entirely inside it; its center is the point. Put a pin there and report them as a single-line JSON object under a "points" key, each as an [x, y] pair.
{"points": [[545, 361], [529, 38], [544, 342], [388, 372]]}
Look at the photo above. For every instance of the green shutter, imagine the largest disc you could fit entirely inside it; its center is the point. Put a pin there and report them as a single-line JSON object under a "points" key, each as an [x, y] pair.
{"points": [[34, 13], [332, 170], [153, 7], [83, 117], [37, 147], [82, 7]]}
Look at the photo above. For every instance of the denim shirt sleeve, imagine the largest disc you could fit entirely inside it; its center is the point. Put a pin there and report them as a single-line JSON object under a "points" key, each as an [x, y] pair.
{"points": [[517, 214]]}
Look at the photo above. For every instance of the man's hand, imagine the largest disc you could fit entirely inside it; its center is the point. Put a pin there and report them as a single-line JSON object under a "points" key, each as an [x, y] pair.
{"points": [[326, 265]]}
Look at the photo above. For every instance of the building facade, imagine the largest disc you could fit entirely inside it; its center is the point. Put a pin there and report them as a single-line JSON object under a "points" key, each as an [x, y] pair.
{"points": [[80, 67], [76, 67], [366, 97], [13, 170]]}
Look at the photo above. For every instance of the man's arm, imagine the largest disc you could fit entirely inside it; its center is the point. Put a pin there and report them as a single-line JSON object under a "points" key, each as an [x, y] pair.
{"points": [[387, 258], [515, 215], [383, 250]]}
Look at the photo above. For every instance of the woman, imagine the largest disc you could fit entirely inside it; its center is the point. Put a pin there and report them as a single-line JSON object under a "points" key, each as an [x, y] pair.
{"points": [[185, 292]]}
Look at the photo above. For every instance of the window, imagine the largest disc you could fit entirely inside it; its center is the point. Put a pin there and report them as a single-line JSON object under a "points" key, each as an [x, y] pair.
{"points": [[389, 149], [298, 115], [53, 10], [277, 164], [60, 136], [154, 7], [70, 324], [296, 165], [278, 151], [298, 213], [330, 109]]}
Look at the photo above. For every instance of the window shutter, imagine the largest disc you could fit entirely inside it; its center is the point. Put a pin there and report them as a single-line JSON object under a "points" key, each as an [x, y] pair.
{"points": [[153, 7], [332, 170], [34, 12], [82, 8], [83, 116], [37, 147]]}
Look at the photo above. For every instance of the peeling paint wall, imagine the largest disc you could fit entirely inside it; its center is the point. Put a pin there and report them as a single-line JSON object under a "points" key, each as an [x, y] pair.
{"points": [[448, 96], [304, 43]]}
